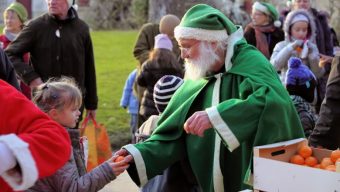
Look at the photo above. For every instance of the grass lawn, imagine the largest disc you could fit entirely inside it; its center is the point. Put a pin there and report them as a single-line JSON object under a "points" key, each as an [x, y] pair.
{"points": [[114, 61]]}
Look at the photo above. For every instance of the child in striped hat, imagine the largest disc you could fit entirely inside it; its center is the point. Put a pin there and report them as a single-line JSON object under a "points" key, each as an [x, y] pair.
{"points": [[176, 177], [164, 88]]}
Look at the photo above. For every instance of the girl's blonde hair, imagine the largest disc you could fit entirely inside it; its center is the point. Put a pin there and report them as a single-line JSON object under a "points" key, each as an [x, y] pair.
{"points": [[57, 94]]}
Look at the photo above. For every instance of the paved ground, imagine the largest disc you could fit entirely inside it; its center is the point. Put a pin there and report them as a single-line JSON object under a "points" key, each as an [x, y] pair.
{"points": [[122, 183]]}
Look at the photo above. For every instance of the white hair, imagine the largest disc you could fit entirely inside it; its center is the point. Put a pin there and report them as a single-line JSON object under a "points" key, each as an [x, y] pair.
{"points": [[202, 66]]}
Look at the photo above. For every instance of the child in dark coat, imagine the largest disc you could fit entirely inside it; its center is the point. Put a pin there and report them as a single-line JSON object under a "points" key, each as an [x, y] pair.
{"points": [[301, 83], [177, 177]]}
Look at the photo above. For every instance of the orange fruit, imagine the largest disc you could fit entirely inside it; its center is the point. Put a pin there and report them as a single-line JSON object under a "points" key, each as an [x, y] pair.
{"points": [[317, 166], [330, 168], [119, 158], [311, 161], [305, 151], [325, 162], [297, 159], [335, 155]]}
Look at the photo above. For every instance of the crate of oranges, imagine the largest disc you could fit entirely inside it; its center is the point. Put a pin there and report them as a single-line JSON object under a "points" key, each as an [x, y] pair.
{"points": [[294, 166]]}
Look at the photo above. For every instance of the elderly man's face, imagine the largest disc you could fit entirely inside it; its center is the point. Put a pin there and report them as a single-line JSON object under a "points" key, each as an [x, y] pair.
{"points": [[301, 4], [57, 8], [201, 58]]}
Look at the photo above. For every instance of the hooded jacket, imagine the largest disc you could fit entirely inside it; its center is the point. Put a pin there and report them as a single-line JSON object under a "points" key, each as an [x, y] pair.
{"points": [[284, 50]]}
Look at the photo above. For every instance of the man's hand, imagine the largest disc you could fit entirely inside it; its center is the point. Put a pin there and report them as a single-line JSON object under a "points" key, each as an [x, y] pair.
{"points": [[197, 123], [35, 83]]}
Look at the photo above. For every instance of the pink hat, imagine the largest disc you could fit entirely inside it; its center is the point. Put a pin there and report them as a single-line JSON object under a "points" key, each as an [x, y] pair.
{"points": [[162, 41]]}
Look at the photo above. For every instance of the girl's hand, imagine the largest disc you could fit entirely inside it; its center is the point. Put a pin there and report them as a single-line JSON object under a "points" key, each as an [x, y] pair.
{"points": [[324, 59], [297, 43], [119, 166]]}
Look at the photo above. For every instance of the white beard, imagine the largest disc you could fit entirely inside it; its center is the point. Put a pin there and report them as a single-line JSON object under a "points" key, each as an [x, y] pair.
{"points": [[202, 66]]}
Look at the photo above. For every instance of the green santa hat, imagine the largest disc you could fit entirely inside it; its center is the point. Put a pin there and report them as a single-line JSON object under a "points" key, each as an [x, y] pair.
{"points": [[269, 10], [205, 23]]}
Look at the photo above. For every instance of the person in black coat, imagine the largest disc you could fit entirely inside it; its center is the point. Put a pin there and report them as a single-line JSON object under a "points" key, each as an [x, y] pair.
{"points": [[7, 72], [326, 133], [162, 62]]}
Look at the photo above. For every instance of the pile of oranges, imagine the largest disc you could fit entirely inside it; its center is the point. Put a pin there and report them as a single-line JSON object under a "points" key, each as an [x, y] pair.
{"points": [[305, 157]]}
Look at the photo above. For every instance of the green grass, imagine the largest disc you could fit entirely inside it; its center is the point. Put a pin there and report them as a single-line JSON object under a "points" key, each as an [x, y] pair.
{"points": [[114, 61]]}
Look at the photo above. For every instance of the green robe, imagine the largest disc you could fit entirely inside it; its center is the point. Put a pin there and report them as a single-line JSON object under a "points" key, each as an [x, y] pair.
{"points": [[253, 109]]}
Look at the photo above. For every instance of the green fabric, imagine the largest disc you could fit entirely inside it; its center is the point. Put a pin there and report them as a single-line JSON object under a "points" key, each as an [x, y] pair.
{"points": [[203, 16], [272, 10], [254, 105]]}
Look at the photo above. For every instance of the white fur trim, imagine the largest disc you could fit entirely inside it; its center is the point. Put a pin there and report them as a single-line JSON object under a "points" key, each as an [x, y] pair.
{"points": [[140, 165], [277, 23], [29, 171], [200, 34], [222, 128], [232, 40], [217, 173], [258, 6]]}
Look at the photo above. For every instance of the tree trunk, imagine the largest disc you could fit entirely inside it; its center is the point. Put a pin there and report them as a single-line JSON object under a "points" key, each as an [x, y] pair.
{"points": [[159, 8]]}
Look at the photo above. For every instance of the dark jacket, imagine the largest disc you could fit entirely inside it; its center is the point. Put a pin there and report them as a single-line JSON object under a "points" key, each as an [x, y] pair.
{"points": [[327, 130], [145, 42], [151, 72], [273, 38], [323, 33], [57, 48], [7, 72]]}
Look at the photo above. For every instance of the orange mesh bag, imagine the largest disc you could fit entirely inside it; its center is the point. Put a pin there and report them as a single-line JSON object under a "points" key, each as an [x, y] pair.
{"points": [[99, 148]]}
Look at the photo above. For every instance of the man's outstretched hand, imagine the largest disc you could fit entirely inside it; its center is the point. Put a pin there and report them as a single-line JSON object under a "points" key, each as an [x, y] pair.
{"points": [[197, 123]]}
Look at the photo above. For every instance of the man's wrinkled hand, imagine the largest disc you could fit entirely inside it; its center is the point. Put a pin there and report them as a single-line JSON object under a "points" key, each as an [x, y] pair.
{"points": [[197, 123]]}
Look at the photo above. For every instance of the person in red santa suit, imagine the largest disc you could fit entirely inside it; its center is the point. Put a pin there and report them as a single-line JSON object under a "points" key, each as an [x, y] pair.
{"points": [[32, 145]]}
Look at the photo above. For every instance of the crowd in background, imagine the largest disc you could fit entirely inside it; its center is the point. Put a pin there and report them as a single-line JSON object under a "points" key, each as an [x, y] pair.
{"points": [[301, 46]]}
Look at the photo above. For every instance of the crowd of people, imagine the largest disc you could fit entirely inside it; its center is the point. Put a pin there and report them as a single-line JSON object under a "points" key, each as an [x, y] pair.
{"points": [[203, 94]]}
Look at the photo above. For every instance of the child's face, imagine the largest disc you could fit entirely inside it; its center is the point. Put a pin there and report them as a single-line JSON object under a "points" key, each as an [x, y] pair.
{"points": [[299, 30], [68, 116], [12, 22]]}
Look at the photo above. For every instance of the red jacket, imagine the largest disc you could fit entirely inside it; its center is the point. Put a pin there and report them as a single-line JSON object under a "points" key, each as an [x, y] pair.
{"points": [[41, 146]]}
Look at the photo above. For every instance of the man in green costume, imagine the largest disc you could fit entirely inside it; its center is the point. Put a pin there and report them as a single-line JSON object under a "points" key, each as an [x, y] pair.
{"points": [[231, 101]]}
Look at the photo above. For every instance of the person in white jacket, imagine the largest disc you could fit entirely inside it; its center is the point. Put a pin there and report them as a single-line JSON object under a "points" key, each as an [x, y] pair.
{"points": [[300, 31]]}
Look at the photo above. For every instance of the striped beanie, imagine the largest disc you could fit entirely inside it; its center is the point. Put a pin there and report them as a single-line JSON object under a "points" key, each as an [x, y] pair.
{"points": [[164, 89]]}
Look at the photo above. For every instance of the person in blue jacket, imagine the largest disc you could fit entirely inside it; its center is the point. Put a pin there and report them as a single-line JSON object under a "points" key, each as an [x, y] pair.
{"points": [[130, 102]]}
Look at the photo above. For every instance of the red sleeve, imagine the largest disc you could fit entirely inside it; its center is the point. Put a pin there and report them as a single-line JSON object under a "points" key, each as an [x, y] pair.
{"points": [[48, 142]]}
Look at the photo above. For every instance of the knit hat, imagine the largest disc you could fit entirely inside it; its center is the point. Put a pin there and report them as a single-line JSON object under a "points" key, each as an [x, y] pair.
{"points": [[299, 17], [168, 24], [19, 9], [205, 23], [164, 89], [300, 80], [268, 9], [162, 41]]}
